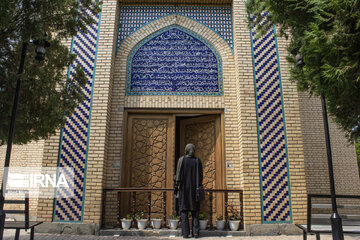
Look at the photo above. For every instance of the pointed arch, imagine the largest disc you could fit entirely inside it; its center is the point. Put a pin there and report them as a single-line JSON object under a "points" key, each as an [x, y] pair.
{"points": [[174, 61]]}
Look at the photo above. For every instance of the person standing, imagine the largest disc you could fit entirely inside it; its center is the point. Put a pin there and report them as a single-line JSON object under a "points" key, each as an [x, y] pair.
{"points": [[189, 176]]}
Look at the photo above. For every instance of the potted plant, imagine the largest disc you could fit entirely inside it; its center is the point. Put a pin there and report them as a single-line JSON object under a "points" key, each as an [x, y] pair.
{"points": [[234, 219], [156, 223], [220, 222], [203, 221], [173, 221], [141, 220], [126, 222]]}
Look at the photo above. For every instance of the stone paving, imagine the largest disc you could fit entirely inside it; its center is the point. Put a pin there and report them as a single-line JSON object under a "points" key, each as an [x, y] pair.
{"points": [[9, 235]]}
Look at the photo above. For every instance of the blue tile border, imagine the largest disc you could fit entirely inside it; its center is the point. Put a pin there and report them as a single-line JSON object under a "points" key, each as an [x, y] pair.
{"points": [[218, 19]]}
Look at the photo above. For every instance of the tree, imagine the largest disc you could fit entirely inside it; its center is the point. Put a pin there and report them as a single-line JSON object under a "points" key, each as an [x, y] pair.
{"points": [[45, 95], [327, 34]]}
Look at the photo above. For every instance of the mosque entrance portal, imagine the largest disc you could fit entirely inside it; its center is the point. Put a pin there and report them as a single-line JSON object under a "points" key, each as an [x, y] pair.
{"points": [[152, 144]]}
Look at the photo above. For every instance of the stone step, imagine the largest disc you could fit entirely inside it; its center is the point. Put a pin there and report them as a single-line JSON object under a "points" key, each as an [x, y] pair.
{"points": [[324, 219], [343, 216], [329, 206], [149, 232]]}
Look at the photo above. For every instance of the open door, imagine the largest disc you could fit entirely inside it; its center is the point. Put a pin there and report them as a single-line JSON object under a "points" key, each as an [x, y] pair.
{"points": [[205, 133], [149, 157]]}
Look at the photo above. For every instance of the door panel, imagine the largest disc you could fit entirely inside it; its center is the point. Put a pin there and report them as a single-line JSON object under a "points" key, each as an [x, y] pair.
{"points": [[149, 159], [204, 133]]}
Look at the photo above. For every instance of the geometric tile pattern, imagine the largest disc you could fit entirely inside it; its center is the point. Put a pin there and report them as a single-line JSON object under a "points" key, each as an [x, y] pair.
{"points": [[174, 61], [75, 135], [274, 166], [218, 19], [148, 160]]}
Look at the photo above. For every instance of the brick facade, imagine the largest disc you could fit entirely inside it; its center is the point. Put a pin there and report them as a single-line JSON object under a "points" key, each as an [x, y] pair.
{"points": [[304, 132], [317, 175]]}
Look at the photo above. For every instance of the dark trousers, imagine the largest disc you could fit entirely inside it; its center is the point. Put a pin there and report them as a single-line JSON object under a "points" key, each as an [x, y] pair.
{"points": [[185, 228]]}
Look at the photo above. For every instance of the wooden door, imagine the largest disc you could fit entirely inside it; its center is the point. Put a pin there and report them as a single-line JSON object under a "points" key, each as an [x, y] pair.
{"points": [[149, 160], [205, 133]]}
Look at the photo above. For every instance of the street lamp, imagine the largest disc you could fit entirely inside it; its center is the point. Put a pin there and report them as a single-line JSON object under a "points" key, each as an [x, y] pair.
{"points": [[335, 219], [40, 49]]}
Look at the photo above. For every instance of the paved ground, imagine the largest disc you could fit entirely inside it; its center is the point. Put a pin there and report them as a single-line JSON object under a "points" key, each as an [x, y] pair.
{"points": [[9, 235]]}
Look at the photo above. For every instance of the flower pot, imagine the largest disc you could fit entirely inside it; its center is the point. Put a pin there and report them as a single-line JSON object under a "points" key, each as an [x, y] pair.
{"points": [[203, 224], [125, 223], [234, 225], [141, 223], [156, 223], [173, 223], [220, 224]]}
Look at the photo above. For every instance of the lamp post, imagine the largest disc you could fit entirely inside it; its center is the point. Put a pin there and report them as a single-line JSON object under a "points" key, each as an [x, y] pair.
{"points": [[335, 219], [40, 54], [336, 222]]}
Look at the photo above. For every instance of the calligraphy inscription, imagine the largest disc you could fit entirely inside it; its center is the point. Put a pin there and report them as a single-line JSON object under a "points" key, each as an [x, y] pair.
{"points": [[174, 61]]}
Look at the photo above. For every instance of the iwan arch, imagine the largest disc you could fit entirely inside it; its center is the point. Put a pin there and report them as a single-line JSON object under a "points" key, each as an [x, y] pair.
{"points": [[253, 130]]}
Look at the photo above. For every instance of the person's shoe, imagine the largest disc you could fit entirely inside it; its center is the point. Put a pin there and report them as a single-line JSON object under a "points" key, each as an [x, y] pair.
{"points": [[185, 236], [196, 235]]}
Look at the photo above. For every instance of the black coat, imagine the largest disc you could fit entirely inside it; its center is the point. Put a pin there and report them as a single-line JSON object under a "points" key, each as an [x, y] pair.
{"points": [[191, 170]]}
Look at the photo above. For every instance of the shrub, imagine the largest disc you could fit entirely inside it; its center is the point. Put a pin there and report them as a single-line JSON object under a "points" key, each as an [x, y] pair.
{"points": [[140, 215], [234, 214]]}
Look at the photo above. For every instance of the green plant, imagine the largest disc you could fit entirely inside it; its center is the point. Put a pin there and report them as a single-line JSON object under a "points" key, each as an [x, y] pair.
{"points": [[128, 216], [173, 216], [47, 99], [202, 216], [140, 215], [326, 34], [234, 214], [219, 217]]}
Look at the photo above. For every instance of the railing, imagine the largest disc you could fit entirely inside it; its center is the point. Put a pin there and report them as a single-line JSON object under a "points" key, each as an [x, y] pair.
{"points": [[324, 196], [149, 191]]}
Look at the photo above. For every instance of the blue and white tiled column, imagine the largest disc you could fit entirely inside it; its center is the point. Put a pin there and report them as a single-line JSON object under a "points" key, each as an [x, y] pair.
{"points": [[273, 156], [74, 142]]}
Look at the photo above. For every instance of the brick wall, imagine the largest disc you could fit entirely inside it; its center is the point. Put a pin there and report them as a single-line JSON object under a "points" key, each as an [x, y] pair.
{"points": [[29, 155], [249, 157], [344, 156], [248, 128], [99, 122], [294, 137], [100, 113]]}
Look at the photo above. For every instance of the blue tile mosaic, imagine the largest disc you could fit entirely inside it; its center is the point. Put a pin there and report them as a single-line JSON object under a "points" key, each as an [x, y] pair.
{"points": [[274, 165], [174, 61], [131, 18], [75, 135]]}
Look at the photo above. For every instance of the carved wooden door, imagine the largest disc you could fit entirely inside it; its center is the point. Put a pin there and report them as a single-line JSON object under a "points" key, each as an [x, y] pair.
{"points": [[205, 134], [149, 160]]}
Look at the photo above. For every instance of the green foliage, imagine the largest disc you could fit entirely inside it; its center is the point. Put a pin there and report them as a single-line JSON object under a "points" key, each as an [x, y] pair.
{"points": [[327, 34], [357, 147], [139, 215], [128, 216], [44, 96], [202, 216]]}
